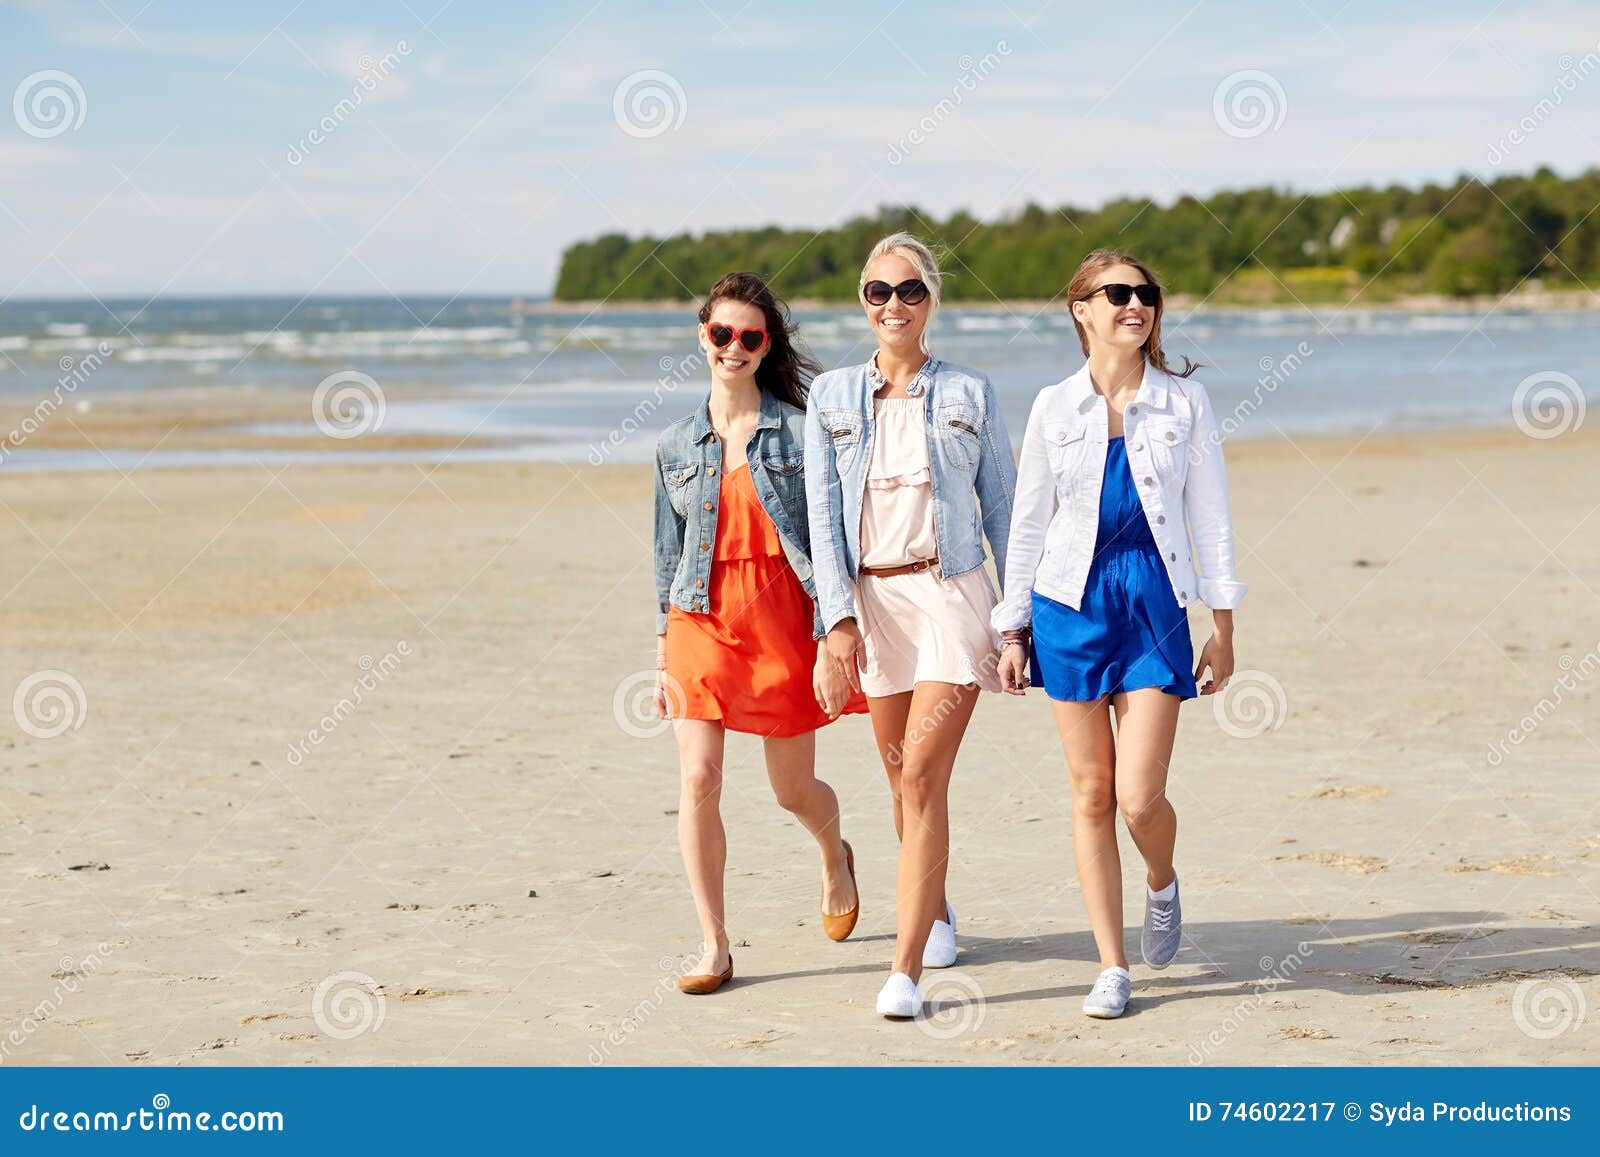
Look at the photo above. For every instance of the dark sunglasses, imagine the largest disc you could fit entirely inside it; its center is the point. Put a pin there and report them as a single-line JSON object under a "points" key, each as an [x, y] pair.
{"points": [[750, 339], [910, 292], [1119, 295]]}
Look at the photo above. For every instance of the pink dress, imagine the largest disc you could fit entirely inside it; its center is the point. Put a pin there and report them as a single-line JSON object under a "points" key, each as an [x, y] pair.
{"points": [[917, 627]]}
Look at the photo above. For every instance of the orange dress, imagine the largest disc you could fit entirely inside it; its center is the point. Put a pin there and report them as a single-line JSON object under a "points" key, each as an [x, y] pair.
{"points": [[747, 663]]}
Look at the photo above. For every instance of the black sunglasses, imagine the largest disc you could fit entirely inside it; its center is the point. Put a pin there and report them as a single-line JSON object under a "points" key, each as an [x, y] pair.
{"points": [[910, 292], [1119, 295]]}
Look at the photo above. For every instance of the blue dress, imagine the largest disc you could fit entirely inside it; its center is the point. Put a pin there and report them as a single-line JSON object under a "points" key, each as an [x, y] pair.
{"points": [[1130, 632]]}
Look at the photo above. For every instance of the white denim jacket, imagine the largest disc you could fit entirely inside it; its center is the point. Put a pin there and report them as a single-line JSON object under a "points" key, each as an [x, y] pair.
{"points": [[1174, 448]]}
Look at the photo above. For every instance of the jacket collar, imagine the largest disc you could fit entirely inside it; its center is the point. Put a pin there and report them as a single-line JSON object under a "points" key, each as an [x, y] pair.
{"points": [[1152, 389], [918, 384], [771, 416]]}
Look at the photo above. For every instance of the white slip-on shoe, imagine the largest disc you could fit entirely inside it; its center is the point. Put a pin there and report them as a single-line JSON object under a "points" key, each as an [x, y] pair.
{"points": [[1109, 996], [940, 950], [899, 999]]}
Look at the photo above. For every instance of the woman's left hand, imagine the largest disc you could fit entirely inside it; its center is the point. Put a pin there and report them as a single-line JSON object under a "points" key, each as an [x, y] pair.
{"points": [[1218, 655]]}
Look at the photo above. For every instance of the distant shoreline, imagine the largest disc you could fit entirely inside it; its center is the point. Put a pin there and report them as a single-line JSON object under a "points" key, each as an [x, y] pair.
{"points": [[1542, 301]]}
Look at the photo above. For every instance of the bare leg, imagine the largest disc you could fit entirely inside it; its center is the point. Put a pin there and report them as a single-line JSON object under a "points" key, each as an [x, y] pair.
{"points": [[1092, 761], [791, 768], [936, 723], [1147, 724], [701, 837], [890, 719]]}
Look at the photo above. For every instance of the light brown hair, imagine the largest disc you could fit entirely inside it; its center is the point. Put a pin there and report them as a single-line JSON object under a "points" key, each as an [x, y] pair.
{"points": [[1083, 284]]}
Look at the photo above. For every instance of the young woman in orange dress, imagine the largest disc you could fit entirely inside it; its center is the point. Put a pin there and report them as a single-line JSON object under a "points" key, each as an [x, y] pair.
{"points": [[737, 623]]}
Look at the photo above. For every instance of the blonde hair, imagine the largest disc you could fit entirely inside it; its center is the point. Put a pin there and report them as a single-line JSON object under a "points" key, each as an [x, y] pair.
{"points": [[1082, 284], [922, 259]]}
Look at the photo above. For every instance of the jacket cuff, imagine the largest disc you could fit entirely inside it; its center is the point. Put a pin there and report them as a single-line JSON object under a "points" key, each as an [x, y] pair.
{"points": [[1222, 594], [838, 615], [1012, 615], [661, 622], [817, 629]]}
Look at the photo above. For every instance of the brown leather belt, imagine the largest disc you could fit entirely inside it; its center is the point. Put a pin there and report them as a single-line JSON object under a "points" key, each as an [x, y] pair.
{"points": [[891, 571]]}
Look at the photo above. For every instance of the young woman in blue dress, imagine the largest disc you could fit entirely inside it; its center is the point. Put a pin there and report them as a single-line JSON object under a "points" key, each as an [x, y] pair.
{"points": [[1099, 575]]}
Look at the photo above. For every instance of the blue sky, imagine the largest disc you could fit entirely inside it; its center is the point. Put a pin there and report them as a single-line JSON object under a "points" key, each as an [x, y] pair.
{"points": [[487, 136]]}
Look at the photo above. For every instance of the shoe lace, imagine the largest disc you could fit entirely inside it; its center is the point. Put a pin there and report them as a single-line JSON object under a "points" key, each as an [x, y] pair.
{"points": [[1107, 983], [1161, 918]]}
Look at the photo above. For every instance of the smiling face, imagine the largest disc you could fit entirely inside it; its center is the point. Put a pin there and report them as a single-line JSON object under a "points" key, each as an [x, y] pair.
{"points": [[897, 326], [1116, 326], [733, 364]]}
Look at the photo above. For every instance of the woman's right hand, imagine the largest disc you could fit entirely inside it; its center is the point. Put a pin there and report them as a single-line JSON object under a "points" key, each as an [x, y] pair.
{"points": [[844, 646], [1014, 669]]}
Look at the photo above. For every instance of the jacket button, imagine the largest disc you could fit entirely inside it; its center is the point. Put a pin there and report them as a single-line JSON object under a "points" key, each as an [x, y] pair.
{"points": [[705, 546], [711, 469], [701, 583], [708, 505], [1147, 481], [1172, 556], [1171, 437], [1133, 409], [1183, 594], [1161, 520]]}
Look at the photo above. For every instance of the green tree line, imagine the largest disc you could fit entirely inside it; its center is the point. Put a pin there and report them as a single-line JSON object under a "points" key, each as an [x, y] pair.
{"points": [[1255, 245]]}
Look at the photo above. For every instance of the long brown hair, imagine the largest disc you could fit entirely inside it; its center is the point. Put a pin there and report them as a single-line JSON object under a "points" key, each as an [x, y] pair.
{"points": [[1082, 284], [786, 370]]}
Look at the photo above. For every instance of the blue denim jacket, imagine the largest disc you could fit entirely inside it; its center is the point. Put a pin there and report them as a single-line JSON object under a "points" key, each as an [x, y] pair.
{"points": [[688, 487], [969, 458]]}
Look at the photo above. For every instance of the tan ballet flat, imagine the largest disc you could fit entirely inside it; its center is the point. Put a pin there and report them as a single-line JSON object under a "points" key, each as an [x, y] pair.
{"points": [[840, 927], [705, 983]]}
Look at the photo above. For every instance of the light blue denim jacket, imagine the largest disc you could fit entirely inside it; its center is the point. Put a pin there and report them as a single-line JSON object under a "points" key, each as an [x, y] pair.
{"points": [[969, 458], [688, 488]]}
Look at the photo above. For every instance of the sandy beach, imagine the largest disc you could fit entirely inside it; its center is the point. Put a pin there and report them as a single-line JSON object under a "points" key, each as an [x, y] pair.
{"points": [[349, 763]]}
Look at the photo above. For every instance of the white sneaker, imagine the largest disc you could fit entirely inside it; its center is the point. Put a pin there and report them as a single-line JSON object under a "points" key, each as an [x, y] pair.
{"points": [[900, 997], [1109, 996], [940, 950]]}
